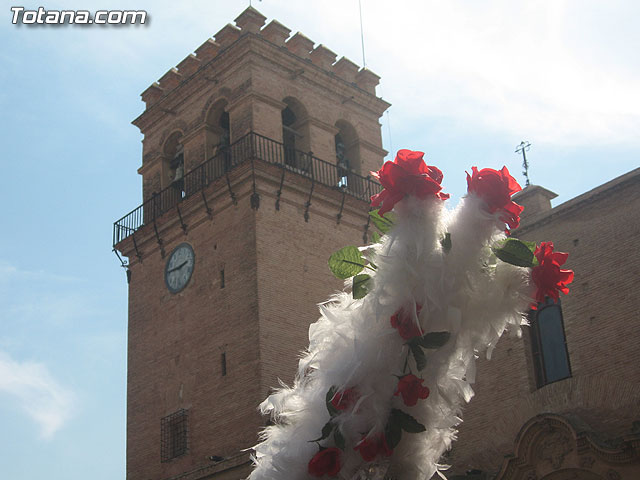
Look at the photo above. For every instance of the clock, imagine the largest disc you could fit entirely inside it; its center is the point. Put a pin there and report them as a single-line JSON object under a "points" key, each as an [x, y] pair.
{"points": [[179, 268]]}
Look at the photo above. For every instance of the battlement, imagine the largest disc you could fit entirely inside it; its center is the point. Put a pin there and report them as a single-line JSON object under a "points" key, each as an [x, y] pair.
{"points": [[252, 22]]}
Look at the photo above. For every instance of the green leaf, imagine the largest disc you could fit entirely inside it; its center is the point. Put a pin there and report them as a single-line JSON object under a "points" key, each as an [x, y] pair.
{"points": [[326, 431], [446, 242], [330, 394], [375, 237], [338, 439], [515, 252], [361, 284], [393, 432], [418, 355], [532, 246], [385, 222], [407, 422], [432, 339], [346, 262]]}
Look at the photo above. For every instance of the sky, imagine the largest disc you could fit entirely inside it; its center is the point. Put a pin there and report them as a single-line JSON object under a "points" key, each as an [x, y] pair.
{"points": [[467, 80]]}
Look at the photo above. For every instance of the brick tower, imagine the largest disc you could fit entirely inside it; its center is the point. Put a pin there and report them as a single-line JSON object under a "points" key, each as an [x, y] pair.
{"points": [[256, 155]]}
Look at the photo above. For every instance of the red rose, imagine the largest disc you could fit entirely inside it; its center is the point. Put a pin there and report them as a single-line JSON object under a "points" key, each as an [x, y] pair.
{"points": [[346, 399], [326, 462], [406, 175], [548, 276], [405, 324], [372, 446], [495, 187], [411, 389]]}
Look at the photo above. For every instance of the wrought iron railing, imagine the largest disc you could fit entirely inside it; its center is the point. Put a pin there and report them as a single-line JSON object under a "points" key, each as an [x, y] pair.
{"points": [[251, 146]]}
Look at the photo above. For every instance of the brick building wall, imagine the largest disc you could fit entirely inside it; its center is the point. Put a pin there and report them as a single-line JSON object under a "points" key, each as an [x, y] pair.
{"points": [[176, 342], [598, 230]]}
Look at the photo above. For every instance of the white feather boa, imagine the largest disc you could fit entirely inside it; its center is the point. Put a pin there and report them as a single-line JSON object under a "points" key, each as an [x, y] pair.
{"points": [[353, 344]]}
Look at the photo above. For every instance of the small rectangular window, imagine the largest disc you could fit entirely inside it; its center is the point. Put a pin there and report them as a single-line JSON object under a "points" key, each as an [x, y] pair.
{"points": [[549, 344], [222, 278], [223, 363], [173, 434]]}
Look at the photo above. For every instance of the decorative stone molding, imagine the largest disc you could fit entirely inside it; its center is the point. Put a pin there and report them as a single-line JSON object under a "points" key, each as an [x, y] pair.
{"points": [[322, 57], [554, 449], [367, 80], [300, 45], [189, 65], [613, 475], [177, 126], [586, 462], [217, 97], [208, 50], [346, 69], [170, 80], [152, 94], [250, 21], [227, 35], [549, 446], [276, 33]]}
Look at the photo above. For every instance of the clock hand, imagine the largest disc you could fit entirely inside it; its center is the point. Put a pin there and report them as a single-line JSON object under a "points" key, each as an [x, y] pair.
{"points": [[178, 267]]}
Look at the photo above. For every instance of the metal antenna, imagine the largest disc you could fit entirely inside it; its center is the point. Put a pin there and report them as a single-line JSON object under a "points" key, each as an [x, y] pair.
{"points": [[364, 62], [522, 148]]}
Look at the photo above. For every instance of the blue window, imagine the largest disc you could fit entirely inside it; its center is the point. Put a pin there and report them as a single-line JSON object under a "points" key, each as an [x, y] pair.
{"points": [[549, 344]]}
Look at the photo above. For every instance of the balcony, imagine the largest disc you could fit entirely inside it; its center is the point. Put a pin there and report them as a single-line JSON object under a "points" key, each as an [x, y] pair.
{"points": [[250, 147]]}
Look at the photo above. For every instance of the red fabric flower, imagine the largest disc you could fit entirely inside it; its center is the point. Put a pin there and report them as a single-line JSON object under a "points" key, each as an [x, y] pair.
{"points": [[326, 462], [405, 324], [406, 175], [548, 276], [411, 389], [372, 446], [345, 399], [495, 187]]}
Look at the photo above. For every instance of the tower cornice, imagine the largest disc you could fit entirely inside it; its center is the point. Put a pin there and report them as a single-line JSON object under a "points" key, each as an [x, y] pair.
{"points": [[163, 96]]}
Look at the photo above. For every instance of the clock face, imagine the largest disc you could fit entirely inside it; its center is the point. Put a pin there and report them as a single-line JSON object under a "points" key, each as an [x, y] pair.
{"points": [[179, 268]]}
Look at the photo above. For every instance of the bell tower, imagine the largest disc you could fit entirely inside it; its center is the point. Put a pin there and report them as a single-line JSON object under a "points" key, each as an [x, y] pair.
{"points": [[256, 155]]}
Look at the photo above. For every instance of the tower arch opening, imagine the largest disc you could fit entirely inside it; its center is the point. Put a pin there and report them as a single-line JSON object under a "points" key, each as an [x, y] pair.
{"points": [[218, 128], [295, 135], [347, 154], [218, 137], [173, 164]]}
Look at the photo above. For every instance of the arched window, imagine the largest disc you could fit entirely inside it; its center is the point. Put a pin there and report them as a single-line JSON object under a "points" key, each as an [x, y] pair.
{"points": [[347, 156], [342, 161], [289, 136], [174, 161], [549, 344], [218, 140], [295, 136]]}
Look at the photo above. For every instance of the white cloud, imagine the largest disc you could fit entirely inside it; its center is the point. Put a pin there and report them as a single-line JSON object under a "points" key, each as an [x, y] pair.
{"points": [[37, 393], [561, 72], [9, 272], [509, 67]]}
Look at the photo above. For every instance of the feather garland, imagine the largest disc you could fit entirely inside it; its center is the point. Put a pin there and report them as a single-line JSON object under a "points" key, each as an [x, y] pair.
{"points": [[451, 300]]}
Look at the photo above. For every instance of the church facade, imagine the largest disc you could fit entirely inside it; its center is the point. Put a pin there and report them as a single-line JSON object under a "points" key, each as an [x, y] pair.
{"points": [[256, 155], [563, 401]]}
